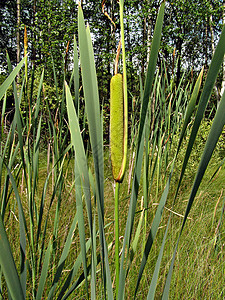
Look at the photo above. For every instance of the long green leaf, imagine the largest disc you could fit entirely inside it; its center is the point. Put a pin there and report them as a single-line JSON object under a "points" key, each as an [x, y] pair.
{"points": [[214, 134], [72, 275], [81, 165], [77, 143], [140, 145], [190, 107], [153, 231], [81, 225], [152, 288], [89, 79], [23, 232], [8, 266], [76, 75], [37, 107], [205, 96], [6, 84], [163, 199], [44, 272], [63, 257]]}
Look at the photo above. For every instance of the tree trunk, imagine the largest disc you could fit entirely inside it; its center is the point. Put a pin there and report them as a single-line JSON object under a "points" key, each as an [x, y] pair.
{"points": [[223, 82], [18, 3], [143, 59], [213, 51], [206, 44], [212, 34], [179, 49], [18, 32], [34, 35], [149, 34], [113, 31]]}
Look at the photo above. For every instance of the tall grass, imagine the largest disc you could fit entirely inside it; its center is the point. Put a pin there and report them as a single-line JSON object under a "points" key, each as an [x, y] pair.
{"points": [[55, 238]]}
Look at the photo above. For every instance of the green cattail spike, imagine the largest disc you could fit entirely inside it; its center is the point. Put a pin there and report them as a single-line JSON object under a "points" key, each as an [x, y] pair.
{"points": [[117, 127]]}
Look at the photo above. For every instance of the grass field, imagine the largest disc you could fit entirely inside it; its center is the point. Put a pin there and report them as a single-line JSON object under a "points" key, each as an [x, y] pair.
{"points": [[200, 264]]}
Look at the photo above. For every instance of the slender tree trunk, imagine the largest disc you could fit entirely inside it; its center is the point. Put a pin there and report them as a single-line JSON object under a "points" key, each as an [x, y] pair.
{"points": [[34, 34], [212, 34], [113, 30], [149, 32], [130, 74], [206, 44], [18, 31], [223, 82], [18, 3], [129, 45], [143, 59], [109, 70], [179, 49], [213, 51]]}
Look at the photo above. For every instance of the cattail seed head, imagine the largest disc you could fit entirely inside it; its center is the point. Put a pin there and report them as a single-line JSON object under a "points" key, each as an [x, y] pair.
{"points": [[117, 126]]}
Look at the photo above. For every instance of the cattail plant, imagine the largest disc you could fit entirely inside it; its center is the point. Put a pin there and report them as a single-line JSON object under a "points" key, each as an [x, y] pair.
{"points": [[118, 143], [118, 133], [82, 256]]}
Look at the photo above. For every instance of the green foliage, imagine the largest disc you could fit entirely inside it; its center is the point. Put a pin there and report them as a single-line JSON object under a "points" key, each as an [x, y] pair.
{"points": [[57, 204]]}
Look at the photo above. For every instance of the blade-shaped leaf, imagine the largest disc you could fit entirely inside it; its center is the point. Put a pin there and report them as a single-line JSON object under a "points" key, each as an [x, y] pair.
{"points": [[140, 145], [44, 272], [8, 266], [6, 84], [214, 134]]}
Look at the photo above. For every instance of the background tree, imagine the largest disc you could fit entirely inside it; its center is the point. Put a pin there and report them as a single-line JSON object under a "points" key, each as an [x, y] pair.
{"points": [[7, 31], [192, 27]]}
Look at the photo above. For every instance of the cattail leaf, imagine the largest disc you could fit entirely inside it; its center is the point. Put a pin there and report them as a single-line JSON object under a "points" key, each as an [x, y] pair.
{"points": [[79, 150], [140, 145], [6, 84], [89, 79], [17, 116], [63, 257], [72, 274], [76, 75], [136, 239], [152, 288], [81, 165], [214, 134], [153, 231], [36, 160], [74, 270], [57, 190], [37, 107], [44, 272], [190, 107], [81, 224], [23, 231], [8, 266], [163, 199], [217, 170], [205, 96]]}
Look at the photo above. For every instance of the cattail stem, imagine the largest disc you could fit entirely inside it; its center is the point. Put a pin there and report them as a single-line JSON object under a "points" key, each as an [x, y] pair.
{"points": [[121, 3], [117, 263], [117, 58]]}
